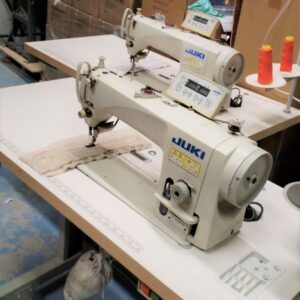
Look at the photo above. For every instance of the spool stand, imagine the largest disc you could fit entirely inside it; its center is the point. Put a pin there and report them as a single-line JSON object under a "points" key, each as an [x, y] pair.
{"points": [[280, 79]]}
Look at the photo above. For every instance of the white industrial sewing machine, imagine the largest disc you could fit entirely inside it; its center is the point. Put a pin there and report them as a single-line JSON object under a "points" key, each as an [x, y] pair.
{"points": [[216, 66], [196, 191]]}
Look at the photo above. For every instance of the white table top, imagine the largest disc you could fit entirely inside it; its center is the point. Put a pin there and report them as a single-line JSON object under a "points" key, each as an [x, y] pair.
{"points": [[35, 115], [263, 116]]}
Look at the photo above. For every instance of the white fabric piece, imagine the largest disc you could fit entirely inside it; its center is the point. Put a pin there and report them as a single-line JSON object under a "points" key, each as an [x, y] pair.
{"points": [[67, 154]]}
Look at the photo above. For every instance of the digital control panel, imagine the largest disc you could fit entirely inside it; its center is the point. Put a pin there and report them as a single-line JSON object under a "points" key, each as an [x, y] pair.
{"points": [[203, 24], [199, 93]]}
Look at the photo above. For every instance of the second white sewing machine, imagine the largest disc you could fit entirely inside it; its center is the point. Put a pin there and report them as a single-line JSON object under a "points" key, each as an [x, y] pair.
{"points": [[197, 179]]}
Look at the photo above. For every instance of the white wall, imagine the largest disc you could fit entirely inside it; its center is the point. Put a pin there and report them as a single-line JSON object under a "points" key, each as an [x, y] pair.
{"points": [[5, 18]]}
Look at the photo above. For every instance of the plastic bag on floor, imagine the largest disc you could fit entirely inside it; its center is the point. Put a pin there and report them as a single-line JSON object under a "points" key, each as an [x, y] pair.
{"points": [[89, 276]]}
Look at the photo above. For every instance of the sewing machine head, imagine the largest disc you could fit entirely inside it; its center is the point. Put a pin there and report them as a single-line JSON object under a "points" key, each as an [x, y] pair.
{"points": [[216, 62], [207, 175]]}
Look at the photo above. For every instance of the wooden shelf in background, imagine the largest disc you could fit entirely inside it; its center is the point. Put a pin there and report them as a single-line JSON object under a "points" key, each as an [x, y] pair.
{"points": [[36, 67]]}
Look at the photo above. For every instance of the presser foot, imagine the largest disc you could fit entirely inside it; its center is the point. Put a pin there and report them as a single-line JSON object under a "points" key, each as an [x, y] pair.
{"points": [[93, 133], [132, 69], [134, 59], [100, 128]]}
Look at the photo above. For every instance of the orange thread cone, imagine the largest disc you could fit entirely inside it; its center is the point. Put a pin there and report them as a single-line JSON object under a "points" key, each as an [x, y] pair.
{"points": [[265, 71], [287, 54]]}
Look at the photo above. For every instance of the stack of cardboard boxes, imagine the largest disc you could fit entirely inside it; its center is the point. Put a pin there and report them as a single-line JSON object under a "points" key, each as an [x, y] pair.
{"points": [[75, 18], [172, 11]]}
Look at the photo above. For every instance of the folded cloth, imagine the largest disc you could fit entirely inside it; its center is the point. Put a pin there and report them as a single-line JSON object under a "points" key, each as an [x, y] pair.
{"points": [[67, 154]]}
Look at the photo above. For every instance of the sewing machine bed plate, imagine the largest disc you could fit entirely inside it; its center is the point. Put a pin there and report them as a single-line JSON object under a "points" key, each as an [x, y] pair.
{"points": [[172, 271], [130, 177]]}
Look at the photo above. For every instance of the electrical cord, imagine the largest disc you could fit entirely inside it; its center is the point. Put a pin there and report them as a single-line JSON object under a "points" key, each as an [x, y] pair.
{"points": [[251, 214], [236, 101]]}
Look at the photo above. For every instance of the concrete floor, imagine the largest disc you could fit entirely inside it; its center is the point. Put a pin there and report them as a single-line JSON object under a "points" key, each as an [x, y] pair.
{"points": [[28, 228]]}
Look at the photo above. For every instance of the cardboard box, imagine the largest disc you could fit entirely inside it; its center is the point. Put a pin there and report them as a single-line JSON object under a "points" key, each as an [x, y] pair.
{"points": [[58, 19], [173, 10], [69, 2], [255, 20], [112, 11], [80, 23], [99, 27], [83, 24], [90, 7]]}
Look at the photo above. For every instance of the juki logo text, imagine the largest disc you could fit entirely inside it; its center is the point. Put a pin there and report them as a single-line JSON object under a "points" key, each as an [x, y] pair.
{"points": [[195, 53], [189, 147]]}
